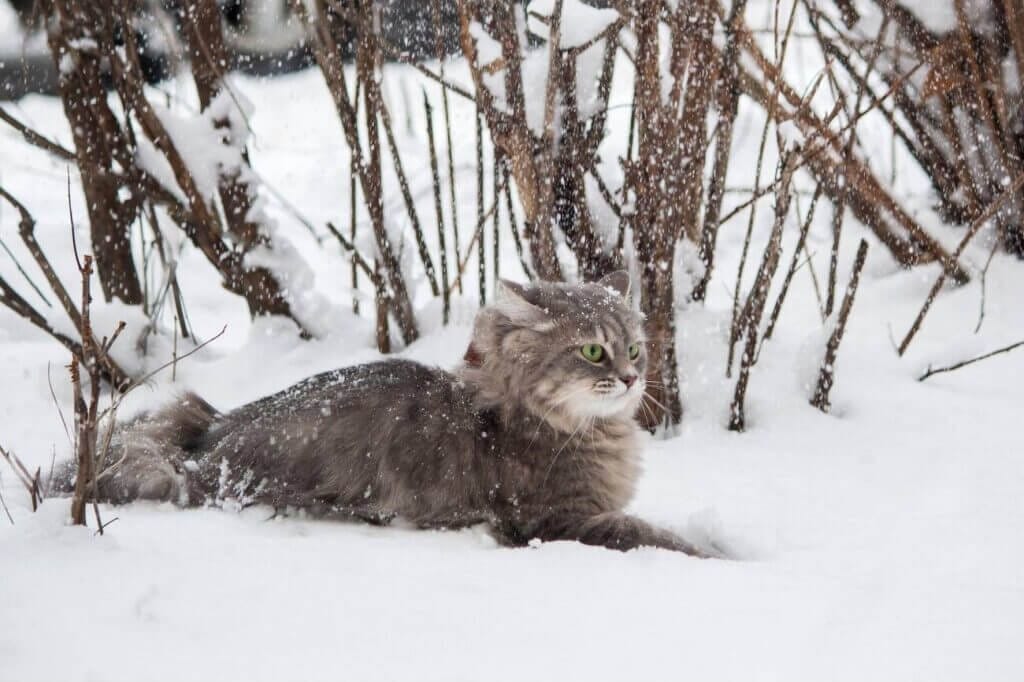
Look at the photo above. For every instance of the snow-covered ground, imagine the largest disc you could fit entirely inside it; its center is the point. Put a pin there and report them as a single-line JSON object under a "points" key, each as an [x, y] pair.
{"points": [[881, 542]]}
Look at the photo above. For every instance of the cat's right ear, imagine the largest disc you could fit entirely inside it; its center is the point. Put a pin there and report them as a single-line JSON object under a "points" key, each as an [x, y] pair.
{"points": [[510, 301]]}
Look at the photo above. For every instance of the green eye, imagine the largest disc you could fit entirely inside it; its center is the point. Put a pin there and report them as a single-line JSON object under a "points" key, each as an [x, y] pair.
{"points": [[634, 351], [592, 352]]}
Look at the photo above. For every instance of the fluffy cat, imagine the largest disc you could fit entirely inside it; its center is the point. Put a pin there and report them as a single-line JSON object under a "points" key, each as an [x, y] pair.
{"points": [[533, 434]]}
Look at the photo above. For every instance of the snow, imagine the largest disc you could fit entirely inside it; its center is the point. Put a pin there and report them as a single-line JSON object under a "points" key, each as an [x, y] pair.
{"points": [[940, 16], [578, 25], [209, 143], [880, 542]]}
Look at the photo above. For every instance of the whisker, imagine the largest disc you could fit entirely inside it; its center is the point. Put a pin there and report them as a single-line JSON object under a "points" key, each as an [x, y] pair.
{"points": [[648, 396], [557, 403], [559, 451]]}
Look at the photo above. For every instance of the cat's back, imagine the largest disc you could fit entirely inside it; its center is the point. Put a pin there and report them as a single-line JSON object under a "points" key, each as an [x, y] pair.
{"points": [[357, 436]]}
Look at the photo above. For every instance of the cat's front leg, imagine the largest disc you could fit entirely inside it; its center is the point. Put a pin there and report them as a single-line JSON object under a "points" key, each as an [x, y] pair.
{"points": [[613, 530]]}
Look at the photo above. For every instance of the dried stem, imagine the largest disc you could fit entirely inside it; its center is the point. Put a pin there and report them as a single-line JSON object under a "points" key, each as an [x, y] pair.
{"points": [[973, 230], [751, 312], [800, 247], [826, 377], [939, 370], [749, 319], [438, 211]]}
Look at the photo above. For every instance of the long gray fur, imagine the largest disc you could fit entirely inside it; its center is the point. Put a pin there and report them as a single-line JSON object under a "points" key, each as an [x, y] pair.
{"points": [[526, 435]]}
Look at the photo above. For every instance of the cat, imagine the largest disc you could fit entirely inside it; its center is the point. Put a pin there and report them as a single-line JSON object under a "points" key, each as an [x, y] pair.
{"points": [[533, 435]]}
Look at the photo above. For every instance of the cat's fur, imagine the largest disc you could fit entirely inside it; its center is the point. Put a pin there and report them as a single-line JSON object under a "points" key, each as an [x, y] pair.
{"points": [[527, 435]]}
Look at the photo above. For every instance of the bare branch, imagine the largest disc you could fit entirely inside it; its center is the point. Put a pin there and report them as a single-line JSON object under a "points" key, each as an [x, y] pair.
{"points": [[1005, 349]]}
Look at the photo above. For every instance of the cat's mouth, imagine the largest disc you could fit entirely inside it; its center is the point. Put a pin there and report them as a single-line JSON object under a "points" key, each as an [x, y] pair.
{"points": [[603, 399], [610, 398]]}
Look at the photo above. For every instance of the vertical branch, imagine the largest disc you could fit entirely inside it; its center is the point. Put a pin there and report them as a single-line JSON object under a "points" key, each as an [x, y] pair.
{"points": [[366, 162], [773, 106], [973, 230], [352, 230], [85, 414], [81, 35], [749, 320], [738, 410], [512, 222], [480, 244], [435, 9], [531, 159], [801, 247], [496, 188], [383, 304], [728, 107], [837, 229], [439, 211], [826, 377], [410, 205]]}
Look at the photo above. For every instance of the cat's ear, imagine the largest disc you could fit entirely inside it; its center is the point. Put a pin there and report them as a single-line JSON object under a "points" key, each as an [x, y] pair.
{"points": [[507, 289], [618, 282], [510, 300]]}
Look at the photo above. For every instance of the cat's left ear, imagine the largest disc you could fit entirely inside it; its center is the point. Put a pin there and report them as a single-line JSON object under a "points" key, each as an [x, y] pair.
{"points": [[510, 300], [618, 282]]}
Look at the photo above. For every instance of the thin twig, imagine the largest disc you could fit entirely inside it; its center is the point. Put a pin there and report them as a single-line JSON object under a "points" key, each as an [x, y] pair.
{"points": [[24, 477], [826, 377], [35, 139], [481, 250], [975, 227], [932, 372], [984, 276], [439, 211], [357, 258], [149, 375], [4, 505], [60, 411], [793, 267], [435, 9]]}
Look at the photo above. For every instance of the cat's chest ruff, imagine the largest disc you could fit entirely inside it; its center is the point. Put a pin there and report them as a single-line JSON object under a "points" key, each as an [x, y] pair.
{"points": [[596, 469]]}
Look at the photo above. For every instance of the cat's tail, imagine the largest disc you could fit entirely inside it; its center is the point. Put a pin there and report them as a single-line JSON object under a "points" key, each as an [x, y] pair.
{"points": [[148, 457]]}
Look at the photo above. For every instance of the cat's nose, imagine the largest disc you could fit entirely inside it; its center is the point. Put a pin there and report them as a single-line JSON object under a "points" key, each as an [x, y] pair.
{"points": [[628, 379]]}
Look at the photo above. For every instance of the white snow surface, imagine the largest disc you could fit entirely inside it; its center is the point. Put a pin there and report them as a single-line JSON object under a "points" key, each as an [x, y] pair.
{"points": [[881, 542]]}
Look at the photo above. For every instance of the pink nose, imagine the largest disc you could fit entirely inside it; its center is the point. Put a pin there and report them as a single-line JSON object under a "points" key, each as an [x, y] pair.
{"points": [[629, 380]]}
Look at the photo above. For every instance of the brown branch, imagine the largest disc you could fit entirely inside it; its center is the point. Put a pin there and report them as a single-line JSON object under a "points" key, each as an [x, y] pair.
{"points": [[35, 139], [973, 230], [435, 176], [435, 9], [26, 228], [85, 423], [111, 371], [749, 320], [867, 198], [728, 107], [753, 309], [800, 246], [366, 162], [932, 372], [410, 205], [826, 377], [447, 85], [737, 410], [357, 258], [27, 480], [7, 511], [479, 237], [774, 105]]}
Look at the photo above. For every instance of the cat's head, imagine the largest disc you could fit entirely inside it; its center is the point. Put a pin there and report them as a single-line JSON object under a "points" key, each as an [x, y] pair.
{"points": [[566, 352]]}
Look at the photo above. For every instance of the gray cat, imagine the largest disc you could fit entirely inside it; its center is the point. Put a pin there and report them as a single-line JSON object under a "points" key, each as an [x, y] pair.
{"points": [[533, 434]]}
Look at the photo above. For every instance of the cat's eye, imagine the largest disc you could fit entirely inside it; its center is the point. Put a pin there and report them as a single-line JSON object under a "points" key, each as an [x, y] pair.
{"points": [[634, 351], [592, 351]]}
